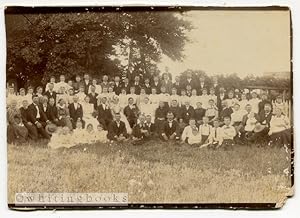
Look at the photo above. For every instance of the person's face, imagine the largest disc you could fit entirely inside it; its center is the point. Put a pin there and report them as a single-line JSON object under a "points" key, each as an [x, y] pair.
{"points": [[105, 78], [187, 104], [81, 89], [89, 128], [22, 92], [35, 100], [11, 90], [132, 90], [94, 82], [163, 89], [77, 79], [146, 100], [236, 107], [130, 101], [199, 105], [62, 78], [117, 79], [202, 79], [278, 111], [174, 92], [230, 95], [212, 91], [155, 79], [166, 77], [103, 100], [13, 104], [30, 91], [52, 80], [204, 92], [170, 116], [62, 89], [126, 80], [142, 119], [148, 119], [104, 90], [123, 91], [86, 76], [183, 93], [99, 128], [215, 80], [177, 78], [254, 95], [87, 99], [40, 90], [143, 91], [137, 78], [25, 104], [75, 99], [174, 103], [161, 104], [264, 97], [194, 92], [51, 101], [192, 122], [189, 75], [153, 91], [267, 108], [243, 97], [227, 121], [61, 102], [221, 90], [147, 81], [248, 108], [216, 124], [93, 88], [45, 99], [205, 120], [211, 103], [118, 117], [110, 89], [70, 82], [71, 91], [189, 88], [279, 100]]}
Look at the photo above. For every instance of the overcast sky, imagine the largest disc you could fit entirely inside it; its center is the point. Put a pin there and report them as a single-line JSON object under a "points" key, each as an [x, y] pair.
{"points": [[242, 42]]}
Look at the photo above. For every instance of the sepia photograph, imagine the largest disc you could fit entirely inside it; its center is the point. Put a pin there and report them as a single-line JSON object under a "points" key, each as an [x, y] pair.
{"points": [[149, 107]]}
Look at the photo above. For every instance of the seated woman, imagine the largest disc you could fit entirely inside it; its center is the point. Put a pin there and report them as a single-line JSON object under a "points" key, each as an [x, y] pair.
{"points": [[101, 134], [63, 114], [191, 134], [280, 132]]}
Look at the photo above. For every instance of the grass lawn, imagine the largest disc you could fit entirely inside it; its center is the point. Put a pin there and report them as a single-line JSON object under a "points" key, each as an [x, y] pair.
{"points": [[154, 172]]}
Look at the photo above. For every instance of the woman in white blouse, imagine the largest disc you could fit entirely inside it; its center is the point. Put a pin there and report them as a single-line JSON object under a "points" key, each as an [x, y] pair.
{"points": [[191, 134], [280, 128]]}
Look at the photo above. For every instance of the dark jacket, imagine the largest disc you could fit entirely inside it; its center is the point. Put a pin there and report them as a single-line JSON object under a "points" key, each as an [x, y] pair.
{"points": [[93, 99], [166, 129], [75, 114], [225, 112], [104, 114], [86, 86], [264, 118], [117, 89], [157, 86], [176, 111], [147, 89], [161, 112], [131, 114], [32, 113], [52, 112], [199, 113], [51, 95], [186, 114], [115, 131]]}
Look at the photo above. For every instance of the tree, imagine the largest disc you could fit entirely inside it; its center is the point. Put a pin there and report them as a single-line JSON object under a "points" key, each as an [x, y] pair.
{"points": [[98, 43]]}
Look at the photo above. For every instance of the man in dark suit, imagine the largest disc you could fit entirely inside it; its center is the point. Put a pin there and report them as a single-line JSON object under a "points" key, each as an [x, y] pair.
{"points": [[176, 85], [131, 112], [86, 83], [51, 93], [175, 109], [93, 96], [147, 86], [137, 85], [77, 84], [215, 85], [150, 127], [202, 84], [187, 112], [104, 114], [117, 85], [32, 130], [170, 129], [126, 85], [156, 84], [117, 129], [51, 112], [37, 117], [76, 112]]}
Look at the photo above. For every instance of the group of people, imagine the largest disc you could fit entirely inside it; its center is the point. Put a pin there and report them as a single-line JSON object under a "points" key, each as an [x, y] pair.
{"points": [[118, 109]]}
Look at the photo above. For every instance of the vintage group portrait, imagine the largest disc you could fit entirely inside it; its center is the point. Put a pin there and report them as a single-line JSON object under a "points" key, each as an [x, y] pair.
{"points": [[161, 106]]}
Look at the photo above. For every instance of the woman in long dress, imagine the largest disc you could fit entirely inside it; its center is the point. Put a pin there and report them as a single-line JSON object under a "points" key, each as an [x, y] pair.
{"points": [[116, 108], [64, 114], [88, 112]]}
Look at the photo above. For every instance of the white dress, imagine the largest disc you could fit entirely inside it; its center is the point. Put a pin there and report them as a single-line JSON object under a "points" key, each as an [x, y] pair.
{"points": [[88, 110]]}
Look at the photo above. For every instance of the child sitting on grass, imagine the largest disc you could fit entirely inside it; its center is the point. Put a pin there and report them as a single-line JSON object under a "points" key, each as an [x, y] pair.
{"points": [[205, 130], [228, 133]]}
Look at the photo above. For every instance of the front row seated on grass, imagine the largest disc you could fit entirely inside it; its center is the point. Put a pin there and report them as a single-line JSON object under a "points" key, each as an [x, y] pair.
{"points": [[253, 127]]}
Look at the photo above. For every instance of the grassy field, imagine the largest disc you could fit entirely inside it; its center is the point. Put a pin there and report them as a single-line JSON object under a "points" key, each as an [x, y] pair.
{"points": [[153, 172]]}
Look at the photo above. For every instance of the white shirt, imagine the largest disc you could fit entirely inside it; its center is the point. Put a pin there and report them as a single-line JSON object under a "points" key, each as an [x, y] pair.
{"points": [[254, 103], [228, 132], [278, 124], [194, 99], [205, 129], [237, 116], [38, 115], [204, 100], [192, 138]]}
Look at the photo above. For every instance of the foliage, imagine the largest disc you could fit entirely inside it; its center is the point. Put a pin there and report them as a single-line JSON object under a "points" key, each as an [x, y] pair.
{"points": [[41, 45]]}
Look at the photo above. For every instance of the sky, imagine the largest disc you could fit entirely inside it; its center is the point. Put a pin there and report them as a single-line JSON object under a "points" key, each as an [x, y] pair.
{"points": [[242, 42]]}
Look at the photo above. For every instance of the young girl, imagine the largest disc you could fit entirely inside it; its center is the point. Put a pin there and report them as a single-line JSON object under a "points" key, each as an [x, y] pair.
{"points": [[254, 102], [194, 98], [204, 98], [81, 95], [243, 102], [154, 98], [211, 111], [212, 95], [123, 99]]}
